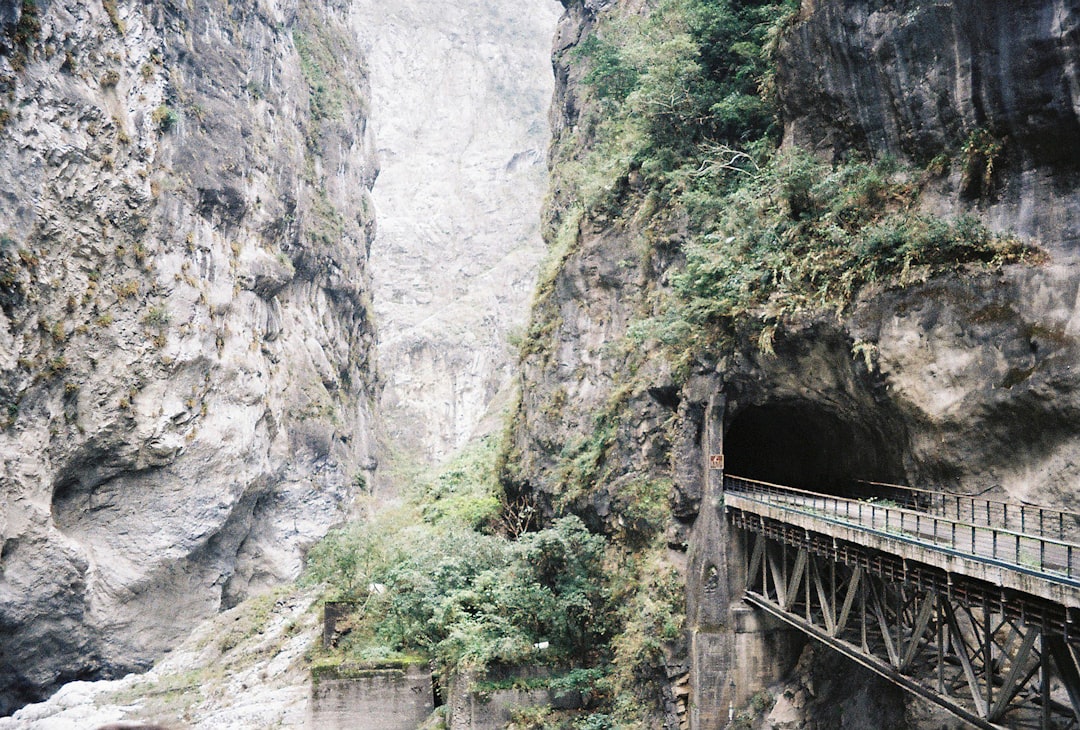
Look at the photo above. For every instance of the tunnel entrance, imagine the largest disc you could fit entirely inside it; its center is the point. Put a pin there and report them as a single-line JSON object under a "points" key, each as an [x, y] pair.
{"points": [[804, 445]]}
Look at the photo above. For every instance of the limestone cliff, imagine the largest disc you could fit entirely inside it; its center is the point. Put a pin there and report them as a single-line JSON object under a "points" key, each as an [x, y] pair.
{"points": [[962, 378], [460, 93], [185, 343]]}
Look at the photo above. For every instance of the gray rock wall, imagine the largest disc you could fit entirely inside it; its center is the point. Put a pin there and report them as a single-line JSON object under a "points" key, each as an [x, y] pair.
{"points": [[185, 338], [460, 95], [915, 79]]}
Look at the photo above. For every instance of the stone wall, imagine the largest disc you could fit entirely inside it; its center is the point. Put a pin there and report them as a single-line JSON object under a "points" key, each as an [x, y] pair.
{"points": [[472, 709], [492, 711]]}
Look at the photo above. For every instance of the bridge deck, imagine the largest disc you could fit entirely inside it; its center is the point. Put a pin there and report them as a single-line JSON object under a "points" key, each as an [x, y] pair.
{"points": [[1030, 561]]}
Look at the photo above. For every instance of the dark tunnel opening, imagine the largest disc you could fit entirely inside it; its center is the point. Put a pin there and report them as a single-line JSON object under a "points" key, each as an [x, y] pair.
{"points": [[804, 445]]}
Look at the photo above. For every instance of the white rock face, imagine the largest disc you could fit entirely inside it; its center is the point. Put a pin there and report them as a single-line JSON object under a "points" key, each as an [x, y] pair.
{"points": [[242, 670], [184, 335], [460, 95]]}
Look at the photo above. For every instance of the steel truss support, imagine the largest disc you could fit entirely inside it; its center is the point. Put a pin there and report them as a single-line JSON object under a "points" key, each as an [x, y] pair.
{"points": [[994, 659]]}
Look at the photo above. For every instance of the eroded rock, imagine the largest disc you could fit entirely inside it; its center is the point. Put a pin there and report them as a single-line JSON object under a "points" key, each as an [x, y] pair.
{"points": [[185, 341]]}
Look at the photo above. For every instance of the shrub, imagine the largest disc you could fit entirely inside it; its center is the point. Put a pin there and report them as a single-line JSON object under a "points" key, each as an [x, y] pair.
{"points": [[128, 289], [465, 492], [114, 15], [689, 74], [466, 599], [980, 152], [157, 316], [56, 365], [165, 118], [802, 235], [28, 29], [595, 721]]}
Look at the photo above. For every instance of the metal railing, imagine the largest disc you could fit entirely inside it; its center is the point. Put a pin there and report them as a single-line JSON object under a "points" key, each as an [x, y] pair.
{"points": [[1049, 557], [1024, 518]]}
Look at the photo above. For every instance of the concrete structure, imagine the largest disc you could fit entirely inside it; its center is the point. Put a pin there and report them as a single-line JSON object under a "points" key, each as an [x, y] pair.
{"points": [[736, 650], [372, 699], [493, 710], [471, 708]]}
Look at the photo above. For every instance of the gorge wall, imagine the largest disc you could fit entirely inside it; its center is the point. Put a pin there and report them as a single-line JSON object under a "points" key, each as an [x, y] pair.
{"points": [[186, 339], [459, 98], [961, 377], [187, 348]]}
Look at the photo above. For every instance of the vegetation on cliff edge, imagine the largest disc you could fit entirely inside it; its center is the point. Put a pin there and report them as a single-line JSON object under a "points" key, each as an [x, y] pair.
{"points": [[679, 132], [672, 143]]}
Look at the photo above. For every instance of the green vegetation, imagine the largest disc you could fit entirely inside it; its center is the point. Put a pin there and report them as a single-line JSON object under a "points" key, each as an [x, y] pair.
{"points": [[679, 133], [114, 15], [317, 60], [165, 118], [157, 316], [583, 459], [126, 290], [327, 225], [750, 717], [466, 491], [981, 152], [56, 366], [668, 89], [442, 577], [25, 33], [11, 265], [466, 599], [799, 235]]}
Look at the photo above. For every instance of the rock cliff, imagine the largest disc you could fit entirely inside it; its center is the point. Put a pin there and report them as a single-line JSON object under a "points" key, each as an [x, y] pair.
{"points": [[918, 80], [185, 340], [460, 94], [962, 377]]}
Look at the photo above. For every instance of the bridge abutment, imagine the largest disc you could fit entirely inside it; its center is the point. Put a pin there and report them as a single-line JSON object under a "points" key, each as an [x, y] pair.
{"points": [[736, 650]]}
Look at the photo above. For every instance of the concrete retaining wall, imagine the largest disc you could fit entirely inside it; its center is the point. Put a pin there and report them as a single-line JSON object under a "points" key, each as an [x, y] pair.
{"points": [[373, 699], [491, 710]]}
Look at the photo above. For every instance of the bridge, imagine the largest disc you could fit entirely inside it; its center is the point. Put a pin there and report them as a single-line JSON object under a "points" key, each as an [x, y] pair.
{"points": [[970, 602]]}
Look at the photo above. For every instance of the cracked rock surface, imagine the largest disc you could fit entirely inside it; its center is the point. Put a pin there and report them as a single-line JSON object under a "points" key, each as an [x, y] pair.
{"points": [[185, 335]]}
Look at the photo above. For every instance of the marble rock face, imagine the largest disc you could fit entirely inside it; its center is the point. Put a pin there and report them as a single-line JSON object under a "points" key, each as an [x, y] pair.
{"points": [[460, 93], [186, 347]]}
